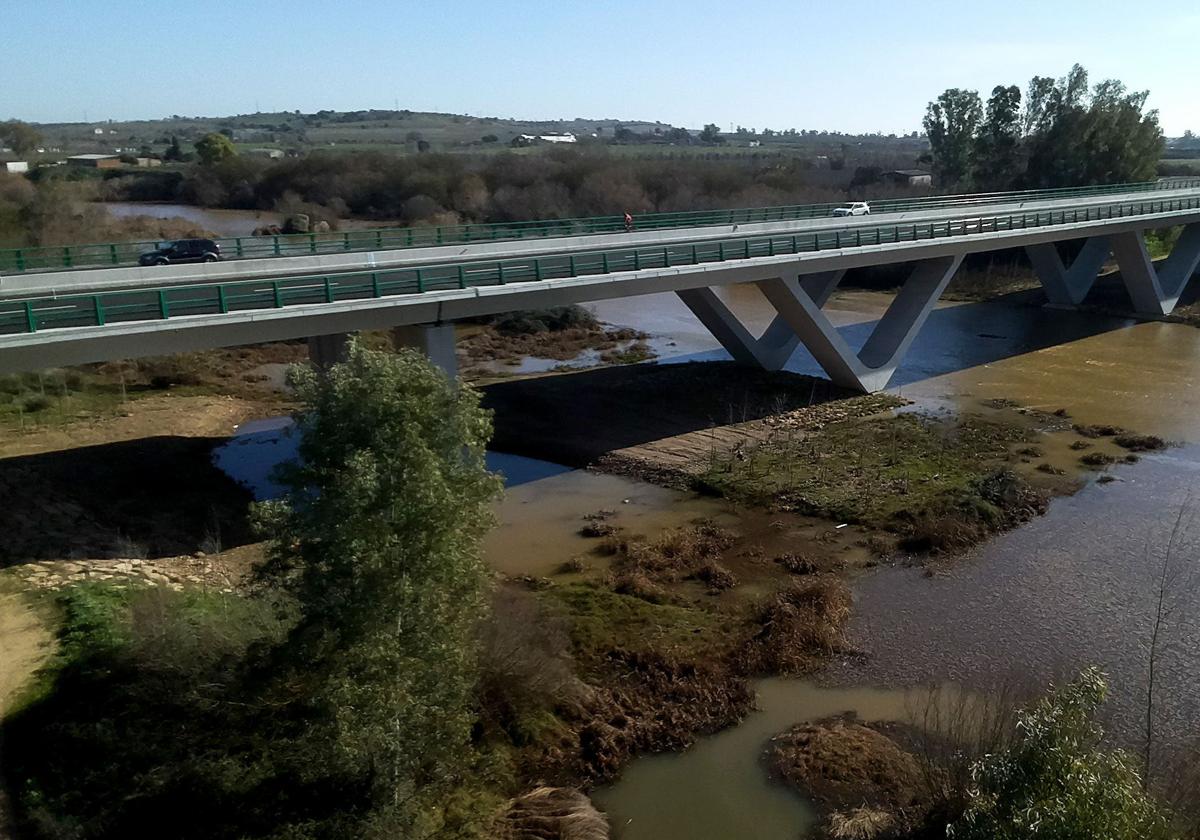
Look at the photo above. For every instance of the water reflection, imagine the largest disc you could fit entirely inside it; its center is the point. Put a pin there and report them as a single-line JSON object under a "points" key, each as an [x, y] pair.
{"points": [[1142, 375], [720, 787], [258, 447], [1077, 587]]}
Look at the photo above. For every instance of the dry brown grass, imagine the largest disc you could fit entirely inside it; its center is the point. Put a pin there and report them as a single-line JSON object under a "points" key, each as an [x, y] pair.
{"points": [[799, 627], [551, 813], [643, 568], [652, 702], [860, 824], [797, 564], [525, 662], [845, 766]]}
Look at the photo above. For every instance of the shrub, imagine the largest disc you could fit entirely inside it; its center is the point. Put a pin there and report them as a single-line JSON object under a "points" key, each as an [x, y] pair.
{"points": [[798, 626], [1057, 782], [525, 662], [34, 403]]}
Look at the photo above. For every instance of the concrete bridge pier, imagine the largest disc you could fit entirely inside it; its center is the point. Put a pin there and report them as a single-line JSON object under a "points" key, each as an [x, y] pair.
{"points": [[325, 351], [1156, 291], [775, 346], [798, 300], [434, 340], [872, 366], [1068, 286]]}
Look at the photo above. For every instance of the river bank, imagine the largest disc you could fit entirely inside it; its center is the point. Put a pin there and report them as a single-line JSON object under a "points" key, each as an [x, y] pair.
{"points": [[601, 581]]}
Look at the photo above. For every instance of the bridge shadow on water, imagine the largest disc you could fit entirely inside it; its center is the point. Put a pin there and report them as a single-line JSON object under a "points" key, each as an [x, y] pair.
{"points": [[968, 335], [575, 418]]}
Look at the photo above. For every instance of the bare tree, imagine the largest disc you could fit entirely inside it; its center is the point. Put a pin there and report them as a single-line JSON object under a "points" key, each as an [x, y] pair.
{"points": [[1170, 577]]}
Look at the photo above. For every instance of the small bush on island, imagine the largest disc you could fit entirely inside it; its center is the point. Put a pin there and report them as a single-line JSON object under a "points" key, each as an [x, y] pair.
{"points": [[1057, 781]]}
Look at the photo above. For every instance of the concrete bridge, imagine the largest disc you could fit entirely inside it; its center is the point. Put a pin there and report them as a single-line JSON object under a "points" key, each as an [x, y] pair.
{"points": [[72, 317]]}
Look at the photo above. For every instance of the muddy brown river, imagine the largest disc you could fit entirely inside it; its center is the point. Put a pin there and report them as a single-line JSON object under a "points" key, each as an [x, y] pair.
{"points": [[1074, 588]]}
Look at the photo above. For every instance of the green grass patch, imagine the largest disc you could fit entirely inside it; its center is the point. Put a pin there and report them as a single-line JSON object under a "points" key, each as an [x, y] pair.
{"points": [[135, 712], [61, 396], [601, 620], [901, 473]]}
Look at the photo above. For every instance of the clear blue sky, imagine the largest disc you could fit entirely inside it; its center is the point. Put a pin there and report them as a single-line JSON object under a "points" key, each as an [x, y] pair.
{"points": [[855, 65]]}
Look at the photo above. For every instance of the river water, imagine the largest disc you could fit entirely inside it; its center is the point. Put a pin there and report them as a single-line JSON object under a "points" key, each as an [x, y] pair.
{"points": [[1074, 588]]}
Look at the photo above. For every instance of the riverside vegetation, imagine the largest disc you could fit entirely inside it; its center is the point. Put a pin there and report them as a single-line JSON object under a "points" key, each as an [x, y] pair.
{"points": [[376, 681]]}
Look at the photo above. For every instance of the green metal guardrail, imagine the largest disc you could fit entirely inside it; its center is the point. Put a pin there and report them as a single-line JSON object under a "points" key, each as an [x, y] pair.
{"points": [[34, 315], [18, 260]]}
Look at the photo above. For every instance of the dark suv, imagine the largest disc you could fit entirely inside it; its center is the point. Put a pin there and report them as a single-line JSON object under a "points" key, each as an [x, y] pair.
{"points": [[182, 251]]}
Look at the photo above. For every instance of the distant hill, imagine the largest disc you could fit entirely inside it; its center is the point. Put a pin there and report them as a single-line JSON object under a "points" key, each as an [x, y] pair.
{"points": [[403, 130], [323, 128]]}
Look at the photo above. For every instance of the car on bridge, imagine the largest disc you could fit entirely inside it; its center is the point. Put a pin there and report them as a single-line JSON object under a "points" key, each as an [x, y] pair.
{"points": [[854, 208], [182, 251]]}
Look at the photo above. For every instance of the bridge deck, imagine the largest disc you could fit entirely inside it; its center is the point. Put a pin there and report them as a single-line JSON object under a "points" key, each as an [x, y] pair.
{"points": [[42, 331], [697, 250], [110, 254]]}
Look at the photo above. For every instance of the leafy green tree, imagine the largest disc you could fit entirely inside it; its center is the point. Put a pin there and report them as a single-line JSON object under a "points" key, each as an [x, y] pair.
{"points": [[711, 133], [1065, 135], [997, 148], [214, 148], [1079, 138], [174, 151], [21, 137], [951, 123], [1038, 113], [1056, 783], [377, 543]]}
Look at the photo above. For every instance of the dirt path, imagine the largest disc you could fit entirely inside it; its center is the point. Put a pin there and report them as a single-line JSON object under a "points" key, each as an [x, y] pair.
{"points": [[184, 416], [25, 643]]}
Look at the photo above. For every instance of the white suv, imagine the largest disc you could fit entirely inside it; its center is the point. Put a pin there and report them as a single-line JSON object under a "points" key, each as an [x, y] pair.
{"points": [[854, 208]]}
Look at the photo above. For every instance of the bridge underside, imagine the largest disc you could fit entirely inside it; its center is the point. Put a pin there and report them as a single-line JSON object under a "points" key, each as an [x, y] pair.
{"points": [[797, 301], [799, 320], [1154, 290], [797, 284]]}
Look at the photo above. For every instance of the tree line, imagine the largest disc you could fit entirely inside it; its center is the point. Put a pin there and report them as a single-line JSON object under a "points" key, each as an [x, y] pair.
{"points": [[1060, 133], [552, 184]]}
